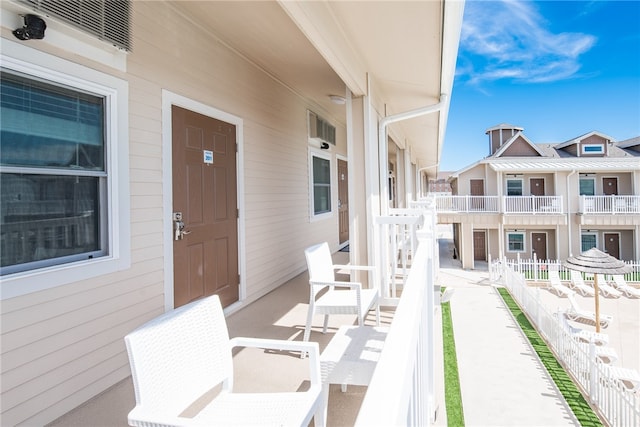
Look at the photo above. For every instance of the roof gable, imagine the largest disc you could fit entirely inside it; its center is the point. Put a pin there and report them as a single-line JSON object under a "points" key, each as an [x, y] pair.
{"points": [[584, 137], [518, 146]]}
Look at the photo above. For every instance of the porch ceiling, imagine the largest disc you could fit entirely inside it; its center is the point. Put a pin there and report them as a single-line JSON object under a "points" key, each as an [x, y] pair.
{"points": [[318, 47]]}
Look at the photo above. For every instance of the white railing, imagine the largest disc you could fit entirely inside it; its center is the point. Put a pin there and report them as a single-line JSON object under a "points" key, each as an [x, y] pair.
{"points": [[613, 205], [614, 402], [401, 391], [448, 203], [532, 204], [495, 204], [537, 270], [398, 242]]}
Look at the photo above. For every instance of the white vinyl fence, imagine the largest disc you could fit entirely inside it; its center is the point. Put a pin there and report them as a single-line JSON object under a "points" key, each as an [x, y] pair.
{"points": [[537, 269], [615, 403]]}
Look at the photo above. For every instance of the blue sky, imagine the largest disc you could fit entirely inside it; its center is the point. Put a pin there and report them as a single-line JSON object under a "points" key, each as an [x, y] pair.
{"points": [[558, 69]]}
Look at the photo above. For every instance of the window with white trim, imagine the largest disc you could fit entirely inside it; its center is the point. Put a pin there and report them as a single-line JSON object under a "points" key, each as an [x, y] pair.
{"points": [[64, 213], [588, 241], [587, 186], [515, 242], [514, 187], [592, 149], [320, 184]]}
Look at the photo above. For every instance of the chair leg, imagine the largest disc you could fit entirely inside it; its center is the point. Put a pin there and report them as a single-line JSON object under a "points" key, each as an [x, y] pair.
{"points": [[326, 323], [377, 315]]}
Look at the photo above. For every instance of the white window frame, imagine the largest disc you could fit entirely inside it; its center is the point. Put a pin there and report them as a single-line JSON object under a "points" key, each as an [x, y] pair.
{"points": [[506, 186], [326, 156], [588, 233], [524, 241], [584, 147], [31, 62], [593, 179]]}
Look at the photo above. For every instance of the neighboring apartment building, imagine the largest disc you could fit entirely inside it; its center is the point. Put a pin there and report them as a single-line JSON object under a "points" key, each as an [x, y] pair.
{"points": [[548, 201], [154, 152]]}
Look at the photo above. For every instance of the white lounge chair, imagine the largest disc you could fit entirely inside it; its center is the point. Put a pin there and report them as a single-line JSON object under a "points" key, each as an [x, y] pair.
{"points": [[623, 286], [179, 356], [354, 300], [556, 284], [607, 355], [577, 282], [582, 335], [606, 289], [577, 314], [630, 378]]}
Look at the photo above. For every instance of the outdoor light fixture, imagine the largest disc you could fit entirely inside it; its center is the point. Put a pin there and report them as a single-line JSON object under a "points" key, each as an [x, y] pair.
{"points": [[33, 28], [324, 146], [337, 99]]}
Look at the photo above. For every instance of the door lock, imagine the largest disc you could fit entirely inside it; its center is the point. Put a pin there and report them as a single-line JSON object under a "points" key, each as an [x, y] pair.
{"points": [[178, 226]]}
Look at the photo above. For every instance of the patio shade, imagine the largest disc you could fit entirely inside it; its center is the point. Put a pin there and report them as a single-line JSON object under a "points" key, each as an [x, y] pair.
{"points": [[597, 262]]}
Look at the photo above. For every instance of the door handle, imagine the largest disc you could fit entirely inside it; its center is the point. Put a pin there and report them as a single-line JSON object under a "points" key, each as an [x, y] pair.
{"points": [[178, 227]]}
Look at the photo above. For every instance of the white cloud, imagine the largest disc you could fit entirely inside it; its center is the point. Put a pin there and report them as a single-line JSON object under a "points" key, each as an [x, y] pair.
{"points": [[509, 39]]}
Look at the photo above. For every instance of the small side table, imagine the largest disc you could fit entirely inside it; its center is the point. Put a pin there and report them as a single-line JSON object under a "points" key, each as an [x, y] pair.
{"points": [[350, 358]]}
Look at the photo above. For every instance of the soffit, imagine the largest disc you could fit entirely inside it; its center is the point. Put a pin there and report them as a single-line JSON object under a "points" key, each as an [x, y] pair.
{"points": [[317, 47]]}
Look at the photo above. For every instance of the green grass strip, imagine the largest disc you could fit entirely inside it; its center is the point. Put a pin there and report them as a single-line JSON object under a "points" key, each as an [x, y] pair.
{"points": [[452, 395], [567, 387]]}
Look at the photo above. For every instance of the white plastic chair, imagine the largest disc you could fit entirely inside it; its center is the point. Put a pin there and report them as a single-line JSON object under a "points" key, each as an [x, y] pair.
{"points": [[179, 356], [577, 314], [578, 284], [623, 286], [583, 335], [354, 300], [606, 289], [556, 284], [630, 378]]}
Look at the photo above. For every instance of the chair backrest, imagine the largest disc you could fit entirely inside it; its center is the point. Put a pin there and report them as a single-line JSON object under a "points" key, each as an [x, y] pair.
{"points": [[576, 277], [320, 263], [178, 356], [554, 276]]}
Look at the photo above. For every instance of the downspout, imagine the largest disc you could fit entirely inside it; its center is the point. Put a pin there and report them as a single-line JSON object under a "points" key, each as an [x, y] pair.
{"points": [[569, 213], [382, 145]]}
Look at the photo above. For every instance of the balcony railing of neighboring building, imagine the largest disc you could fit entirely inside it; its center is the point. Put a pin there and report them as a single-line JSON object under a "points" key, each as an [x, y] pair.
{"points": [[532, 204], [609, 205], [499, 204]]}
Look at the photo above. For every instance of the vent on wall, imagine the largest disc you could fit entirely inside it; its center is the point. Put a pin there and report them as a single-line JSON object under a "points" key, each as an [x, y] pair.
{"points": [[108, 20], [320, 129]]}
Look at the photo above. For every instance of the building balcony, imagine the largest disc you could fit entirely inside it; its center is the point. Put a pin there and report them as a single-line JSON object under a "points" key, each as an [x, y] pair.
{"points": [[510, 205], [405, 375], [615, 211], [609, 205]]}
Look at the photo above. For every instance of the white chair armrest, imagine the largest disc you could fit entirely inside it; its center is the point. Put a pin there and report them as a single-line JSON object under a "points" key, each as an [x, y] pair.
{"points": [[308, 347], [353, 285], [353, 267]]}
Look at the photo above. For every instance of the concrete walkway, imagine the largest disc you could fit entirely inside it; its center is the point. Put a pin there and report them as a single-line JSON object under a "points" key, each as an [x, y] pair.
{"points": [[502, 381]]}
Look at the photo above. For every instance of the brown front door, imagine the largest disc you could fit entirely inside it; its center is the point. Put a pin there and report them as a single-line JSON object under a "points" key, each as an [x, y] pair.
{"points": [[612, 244], [205, 259], [539, 245], [477, 189], [343, 201], [537, 186], [610, 186], [479, 246]]}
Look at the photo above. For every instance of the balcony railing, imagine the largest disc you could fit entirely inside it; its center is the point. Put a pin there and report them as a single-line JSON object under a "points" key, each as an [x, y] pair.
{"points": [[529, 205], [609, 205], [402, 389]]}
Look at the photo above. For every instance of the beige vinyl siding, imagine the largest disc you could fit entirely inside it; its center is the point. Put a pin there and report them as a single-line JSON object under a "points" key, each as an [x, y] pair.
{"points": [[64, 345]]}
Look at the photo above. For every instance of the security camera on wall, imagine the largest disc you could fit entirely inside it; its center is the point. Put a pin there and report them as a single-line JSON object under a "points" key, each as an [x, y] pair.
{"points": [[33, 28]]}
